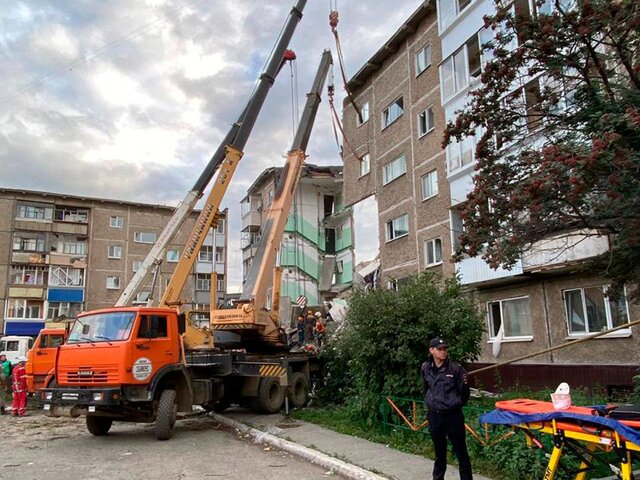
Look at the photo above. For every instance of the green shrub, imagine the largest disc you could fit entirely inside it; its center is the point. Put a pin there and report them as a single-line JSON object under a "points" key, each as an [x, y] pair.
{"points": [[386, 336]]}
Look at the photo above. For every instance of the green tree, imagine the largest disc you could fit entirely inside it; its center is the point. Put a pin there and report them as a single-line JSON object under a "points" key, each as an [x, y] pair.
{"points": [[558, 116], [386, 336]]}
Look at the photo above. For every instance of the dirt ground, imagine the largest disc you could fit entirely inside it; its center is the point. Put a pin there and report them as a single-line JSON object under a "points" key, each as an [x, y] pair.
{"points": [[38, 447]]}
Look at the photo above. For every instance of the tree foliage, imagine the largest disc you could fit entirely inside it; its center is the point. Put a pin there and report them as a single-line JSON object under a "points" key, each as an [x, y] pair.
{"points": [[558, 111], [386, 336]]}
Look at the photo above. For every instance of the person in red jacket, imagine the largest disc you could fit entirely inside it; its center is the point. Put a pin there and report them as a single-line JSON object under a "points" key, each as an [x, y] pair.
{"points": [[19, 387]]}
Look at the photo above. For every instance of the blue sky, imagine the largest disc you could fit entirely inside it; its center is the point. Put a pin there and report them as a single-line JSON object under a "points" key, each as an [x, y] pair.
{"points": [[128, 99]]}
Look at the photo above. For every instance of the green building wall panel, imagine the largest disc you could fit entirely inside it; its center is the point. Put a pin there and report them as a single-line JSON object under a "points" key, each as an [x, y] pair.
{"points": [[294, 290]]}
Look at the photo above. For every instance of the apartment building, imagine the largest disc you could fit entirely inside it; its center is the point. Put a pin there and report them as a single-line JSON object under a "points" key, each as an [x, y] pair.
{"points": [[317, 246], [62, 254], [548, 298]]}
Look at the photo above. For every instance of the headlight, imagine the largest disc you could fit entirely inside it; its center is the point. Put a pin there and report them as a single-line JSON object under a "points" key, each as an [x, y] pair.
{"points": [[48, 395], [97, 397]]}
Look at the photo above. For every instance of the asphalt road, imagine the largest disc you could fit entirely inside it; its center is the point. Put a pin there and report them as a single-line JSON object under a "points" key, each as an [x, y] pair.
{"points": [[37, 447]]}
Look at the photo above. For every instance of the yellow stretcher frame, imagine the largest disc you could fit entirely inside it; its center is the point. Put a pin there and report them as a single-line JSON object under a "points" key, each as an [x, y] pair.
{"points": [[564, 433]]}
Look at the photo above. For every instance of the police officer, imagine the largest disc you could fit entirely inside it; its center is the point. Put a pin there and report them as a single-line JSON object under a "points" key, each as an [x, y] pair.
{"points": [[445, 393]]}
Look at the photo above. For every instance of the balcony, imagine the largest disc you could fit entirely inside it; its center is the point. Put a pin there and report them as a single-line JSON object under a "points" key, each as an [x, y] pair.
{"points": [[563, 250], [252, 218], [475, 270]]}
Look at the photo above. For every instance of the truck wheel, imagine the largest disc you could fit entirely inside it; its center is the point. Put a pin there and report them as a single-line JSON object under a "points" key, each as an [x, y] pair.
{"points": [[299, 390], [98, 426], [166, 414], [270, 395]]}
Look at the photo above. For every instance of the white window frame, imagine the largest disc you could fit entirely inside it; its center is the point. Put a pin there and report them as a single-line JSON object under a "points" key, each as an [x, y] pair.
{"points": [[456, 11], [203, 282], [114, 252], [34, 212], [173, 255], [423, 59], [60, 276], [493, 334], [607, 305], [113, 282], [388, 170], [74, 248], [220, 227], [145, 237], [205, 254], [431, 179], [219, 254], [24, 309], [70, 309], [365, 165], [391, 228], [27, 275], [387, 113], [220, 284], [428, 119], [364, 111], [433, 246], [135, 266], [71, 215], [116, 221]]}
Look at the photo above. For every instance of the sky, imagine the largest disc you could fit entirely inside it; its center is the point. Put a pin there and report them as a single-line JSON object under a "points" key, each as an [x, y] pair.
{"points": [[128, 99]]}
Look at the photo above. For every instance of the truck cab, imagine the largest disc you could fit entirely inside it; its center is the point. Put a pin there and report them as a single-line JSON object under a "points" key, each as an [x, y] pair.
{"points": [[14, 347], [42, 357]]}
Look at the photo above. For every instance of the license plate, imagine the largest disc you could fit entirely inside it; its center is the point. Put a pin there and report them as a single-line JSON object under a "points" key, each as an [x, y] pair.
{"points": [[47, 407], [92, 409]]}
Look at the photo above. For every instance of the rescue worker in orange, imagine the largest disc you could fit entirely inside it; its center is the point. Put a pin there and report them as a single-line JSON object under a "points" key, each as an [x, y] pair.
{"points": [[320, 329], [19, 387]]}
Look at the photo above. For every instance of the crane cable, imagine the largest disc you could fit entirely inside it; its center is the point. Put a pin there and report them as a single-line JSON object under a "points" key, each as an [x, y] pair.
{"points": [[295, 114], [335, 121], [333, 22]]}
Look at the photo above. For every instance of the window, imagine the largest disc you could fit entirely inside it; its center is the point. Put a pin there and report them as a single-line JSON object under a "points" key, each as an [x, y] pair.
{"points": [[73, 215], [220, 227], [339, 266], [113, 283], [449, 10], [74, 248], [454, 74], [51, 341], [394, 169], [433, 251], [205, 254], [173, 255], [26, 275], [142, 297], [136, 265], [68, 309], [392, 113], [269, 197], [66, 277], [28, 242], [430, 185], [203, 281], [423, 59], [365, 164], [364, 112], [35, 212], [144, 237], [513, 316], [116, 222], [398, 227], [23, 308], [153, 326], [395, 284], [589, 310], [220, 285], [426, 122], [219, 254], [245, 207], [115, 251]]}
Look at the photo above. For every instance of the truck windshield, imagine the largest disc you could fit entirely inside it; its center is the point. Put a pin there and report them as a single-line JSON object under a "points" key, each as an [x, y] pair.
{"points": [[103, 327]]}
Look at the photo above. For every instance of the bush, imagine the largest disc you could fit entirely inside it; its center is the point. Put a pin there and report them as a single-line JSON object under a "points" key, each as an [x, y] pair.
{"points": [[386, 336]]}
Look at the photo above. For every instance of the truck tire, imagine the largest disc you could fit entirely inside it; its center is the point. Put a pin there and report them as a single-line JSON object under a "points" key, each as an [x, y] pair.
{"points": [[299, 396], [270, 395], [166, 414], [98, 426]]}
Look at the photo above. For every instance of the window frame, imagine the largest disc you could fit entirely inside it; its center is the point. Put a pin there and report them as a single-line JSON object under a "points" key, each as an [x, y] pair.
{"points": [[385, 178], [114, 252], [116, 221], [607, 305], [113, 282], [428, 113], [515, 338], [203, 282], [175, 258], [138, 237], [430, 245], [364, 111], [431, 174], [366, 160], [390, 228], [386, 113], [428, 61]]}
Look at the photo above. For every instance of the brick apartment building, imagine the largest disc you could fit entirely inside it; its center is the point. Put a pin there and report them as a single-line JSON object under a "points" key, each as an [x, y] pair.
{"points": [[62, 254], [406, 92]]}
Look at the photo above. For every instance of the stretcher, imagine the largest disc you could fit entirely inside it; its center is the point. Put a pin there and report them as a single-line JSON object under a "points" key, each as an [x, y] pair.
{"points": [[585, 431]]}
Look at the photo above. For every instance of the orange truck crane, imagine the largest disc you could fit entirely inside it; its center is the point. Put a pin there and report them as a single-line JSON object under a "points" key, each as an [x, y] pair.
{"points": [[146, 364]]}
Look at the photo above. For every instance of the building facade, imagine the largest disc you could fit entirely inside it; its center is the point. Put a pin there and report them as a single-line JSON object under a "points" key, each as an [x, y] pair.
{"points": [[63, 254], [407, 92], [316, 253]]}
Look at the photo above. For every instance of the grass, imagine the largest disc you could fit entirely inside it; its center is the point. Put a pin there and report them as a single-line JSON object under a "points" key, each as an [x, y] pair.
{"points": [[508, 459]]}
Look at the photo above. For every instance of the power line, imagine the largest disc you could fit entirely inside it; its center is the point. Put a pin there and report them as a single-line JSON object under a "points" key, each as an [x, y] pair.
{"points": [[105, 48]]}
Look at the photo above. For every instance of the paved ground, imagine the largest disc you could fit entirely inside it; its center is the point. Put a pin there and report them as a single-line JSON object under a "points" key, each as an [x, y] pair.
{"points": [[368, 455], [37, 447]]}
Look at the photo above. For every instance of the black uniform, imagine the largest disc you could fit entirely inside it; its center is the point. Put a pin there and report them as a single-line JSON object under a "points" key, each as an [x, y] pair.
{"points": [[445, 393]]}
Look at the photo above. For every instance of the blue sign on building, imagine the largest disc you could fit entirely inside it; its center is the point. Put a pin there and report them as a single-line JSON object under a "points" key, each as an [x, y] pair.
{"points": [[65, 295]]}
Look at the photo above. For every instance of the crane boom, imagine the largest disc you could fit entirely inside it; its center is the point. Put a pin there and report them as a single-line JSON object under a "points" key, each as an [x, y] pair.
{"points": [[229, 152]]}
